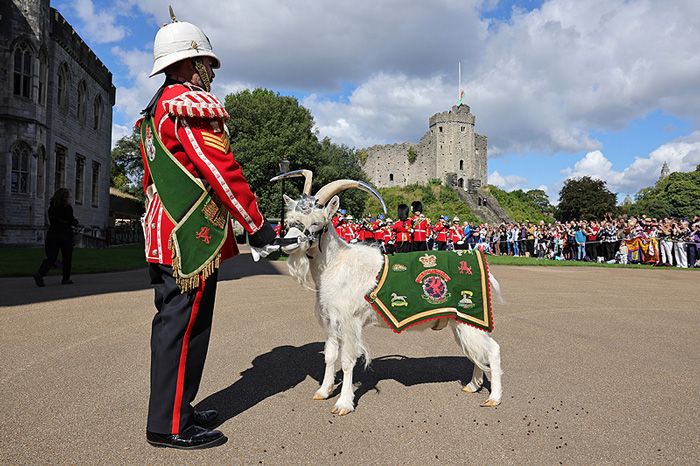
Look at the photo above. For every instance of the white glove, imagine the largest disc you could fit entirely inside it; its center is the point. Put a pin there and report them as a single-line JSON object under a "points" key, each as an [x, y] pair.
{"points": [[264, 251]]}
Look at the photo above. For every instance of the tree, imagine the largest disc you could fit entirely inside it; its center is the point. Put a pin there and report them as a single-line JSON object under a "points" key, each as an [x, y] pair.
{"points": [[267, 128], [585, 198], [127, 165], [675, 195]]}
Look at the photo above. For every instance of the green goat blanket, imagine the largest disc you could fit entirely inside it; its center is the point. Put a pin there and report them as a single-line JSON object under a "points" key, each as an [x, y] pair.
{"points": [[418, 286]]}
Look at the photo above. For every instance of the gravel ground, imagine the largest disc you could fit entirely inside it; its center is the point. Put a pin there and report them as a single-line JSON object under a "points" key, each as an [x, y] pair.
{"points": [[601, 367]]}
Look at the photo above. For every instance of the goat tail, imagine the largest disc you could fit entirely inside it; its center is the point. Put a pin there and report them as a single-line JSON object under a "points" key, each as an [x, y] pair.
{"points": [[496, 289]]}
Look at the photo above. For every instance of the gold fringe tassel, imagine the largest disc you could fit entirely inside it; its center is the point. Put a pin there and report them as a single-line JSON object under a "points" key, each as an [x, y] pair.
{"points": [[187, 284]]}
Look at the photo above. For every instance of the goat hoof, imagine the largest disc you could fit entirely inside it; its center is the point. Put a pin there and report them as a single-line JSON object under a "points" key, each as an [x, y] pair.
{"points": [[335, 410], [468, 389], [344, 412], [318, 397], [490, 403]]}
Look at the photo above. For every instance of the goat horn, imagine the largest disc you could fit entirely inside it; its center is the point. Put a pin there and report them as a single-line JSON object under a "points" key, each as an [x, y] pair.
{"points": [[334, 187], [307, 174]]}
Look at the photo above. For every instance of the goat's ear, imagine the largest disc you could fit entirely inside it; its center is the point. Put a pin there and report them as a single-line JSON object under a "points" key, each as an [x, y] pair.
{"points": [[289, 202], [332, 207]]}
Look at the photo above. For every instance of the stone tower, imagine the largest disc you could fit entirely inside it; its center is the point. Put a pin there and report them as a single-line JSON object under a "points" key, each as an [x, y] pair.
{"points": [[665, 171], [450, 151]]}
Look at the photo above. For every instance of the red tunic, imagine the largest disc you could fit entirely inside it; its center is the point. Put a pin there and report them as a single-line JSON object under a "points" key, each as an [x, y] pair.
{"points": [[440, 231], [402, 231], [200, 143], [420, 229], [456, 233]]}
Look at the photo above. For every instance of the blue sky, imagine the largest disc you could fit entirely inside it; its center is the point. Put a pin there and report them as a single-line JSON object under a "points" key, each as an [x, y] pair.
{"points": [[562, 88]]}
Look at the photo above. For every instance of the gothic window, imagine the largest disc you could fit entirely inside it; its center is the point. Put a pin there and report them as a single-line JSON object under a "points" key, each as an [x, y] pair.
{"points": [[461, 165], [95, 186], [22, 84], [20, 168], [62, 92], [79, 178], [43, 76], [82, 101], [97, 113], [40, 168], [60, 171]]}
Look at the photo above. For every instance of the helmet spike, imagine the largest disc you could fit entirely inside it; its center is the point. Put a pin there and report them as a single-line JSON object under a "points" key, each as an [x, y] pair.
{"points": [[172, 14]]}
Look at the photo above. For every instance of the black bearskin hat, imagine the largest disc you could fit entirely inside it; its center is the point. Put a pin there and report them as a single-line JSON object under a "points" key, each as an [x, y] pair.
{"points": [[403, 212], [417, 206]]}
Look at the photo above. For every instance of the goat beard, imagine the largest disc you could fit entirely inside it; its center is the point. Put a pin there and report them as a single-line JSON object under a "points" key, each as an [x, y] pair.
{"points": [[300, 268]]}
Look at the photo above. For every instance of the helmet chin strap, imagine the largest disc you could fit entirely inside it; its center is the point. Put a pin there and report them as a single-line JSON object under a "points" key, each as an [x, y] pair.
{"points": [[203, 74]]}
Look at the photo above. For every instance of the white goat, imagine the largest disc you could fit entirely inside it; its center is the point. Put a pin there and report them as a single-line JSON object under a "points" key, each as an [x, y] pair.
{"points": [[342, 274]]}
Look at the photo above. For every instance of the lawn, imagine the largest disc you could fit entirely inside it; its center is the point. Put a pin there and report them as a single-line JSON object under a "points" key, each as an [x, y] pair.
{"points": [[22, 262], [510, 260]]}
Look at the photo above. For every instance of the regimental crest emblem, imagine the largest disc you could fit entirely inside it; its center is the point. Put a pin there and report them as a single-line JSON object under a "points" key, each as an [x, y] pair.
{"points": [[398, 301], [149, 146], [434, 285], [398, 268], [428, 261], [466, 301]]}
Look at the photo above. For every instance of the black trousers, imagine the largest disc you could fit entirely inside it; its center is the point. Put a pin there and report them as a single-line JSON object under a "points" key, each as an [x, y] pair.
{"points": [[179, 342], [52, 246], [404, 246], [420, 246]]}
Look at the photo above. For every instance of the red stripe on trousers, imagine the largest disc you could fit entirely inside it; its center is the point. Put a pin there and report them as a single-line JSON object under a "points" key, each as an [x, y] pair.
{"points": [[183, 360]]}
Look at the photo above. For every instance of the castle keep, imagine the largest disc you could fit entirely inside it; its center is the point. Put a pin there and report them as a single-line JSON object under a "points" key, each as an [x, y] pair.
{"points": [[450, 151], [55, 122]]}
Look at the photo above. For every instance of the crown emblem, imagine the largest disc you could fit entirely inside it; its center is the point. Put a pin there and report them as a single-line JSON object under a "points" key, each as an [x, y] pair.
{"points": [[428, 261]]}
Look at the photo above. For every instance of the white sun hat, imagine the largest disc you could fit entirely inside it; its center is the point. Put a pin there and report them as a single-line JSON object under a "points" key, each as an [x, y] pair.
{"points": [[177, 41]]}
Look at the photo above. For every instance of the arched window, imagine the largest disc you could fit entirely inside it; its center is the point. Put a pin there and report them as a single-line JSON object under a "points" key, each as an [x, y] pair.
{"points": [[391, 177], [63, 82], [82, 101], [461, 165], [22, 75], [97, 113], [460, 182], [20, 168], [43, 76], [40, 170]]}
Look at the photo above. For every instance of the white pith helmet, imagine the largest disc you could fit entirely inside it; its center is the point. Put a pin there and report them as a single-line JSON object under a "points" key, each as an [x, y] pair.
{"points": [[177, 41]]}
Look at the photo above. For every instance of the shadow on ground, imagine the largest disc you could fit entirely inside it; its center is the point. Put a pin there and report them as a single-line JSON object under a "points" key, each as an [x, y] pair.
{"points": [[285, 367], [17, 291]]}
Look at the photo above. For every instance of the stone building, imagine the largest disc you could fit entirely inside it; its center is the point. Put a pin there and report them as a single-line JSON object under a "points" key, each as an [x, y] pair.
{"points": [[55, 122], [450, 151]]}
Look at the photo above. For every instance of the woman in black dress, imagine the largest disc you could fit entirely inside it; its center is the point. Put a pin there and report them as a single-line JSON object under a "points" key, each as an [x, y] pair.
{"points": [[59, 237]]}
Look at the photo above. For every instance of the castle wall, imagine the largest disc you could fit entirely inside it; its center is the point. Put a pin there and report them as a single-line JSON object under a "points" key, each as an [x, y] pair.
{"points": [[449, 146], [38, 123]]}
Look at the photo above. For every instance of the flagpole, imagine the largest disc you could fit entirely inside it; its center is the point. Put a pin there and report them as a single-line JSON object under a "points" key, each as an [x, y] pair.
{"points": [[459, 85]]}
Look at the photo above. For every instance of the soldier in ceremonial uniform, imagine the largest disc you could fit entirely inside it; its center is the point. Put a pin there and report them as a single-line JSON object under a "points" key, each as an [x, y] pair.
{"points": [[402, 230], [419, 227], [440, 231], [193, 185], [456, 235]]}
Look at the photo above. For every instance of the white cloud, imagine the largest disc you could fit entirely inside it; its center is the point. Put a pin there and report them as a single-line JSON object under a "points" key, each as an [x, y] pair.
{"points": [[99, 26], [683, 154], [118, 132], [508, 182]]}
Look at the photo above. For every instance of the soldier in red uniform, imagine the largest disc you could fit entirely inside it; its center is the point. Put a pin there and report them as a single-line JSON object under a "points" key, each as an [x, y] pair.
{"points": [[456, 235], [402, 230], [388, 237], [440, 231], [190, 173], [419, 227]]}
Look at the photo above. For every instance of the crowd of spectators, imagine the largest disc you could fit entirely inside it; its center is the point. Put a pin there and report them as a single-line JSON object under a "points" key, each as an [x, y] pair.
{"points": [[663, 242]]}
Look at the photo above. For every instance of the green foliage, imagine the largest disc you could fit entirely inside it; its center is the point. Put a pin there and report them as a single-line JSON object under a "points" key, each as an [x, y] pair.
{"points": [[127, 165], [437, 200], [267, 128], [362, 156], [412, 155], [585, 198], [524, 206], [676, 195]]}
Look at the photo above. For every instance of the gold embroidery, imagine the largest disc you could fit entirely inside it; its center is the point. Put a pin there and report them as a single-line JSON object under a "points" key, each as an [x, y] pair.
{"points": [[220, 142], [215, 213]]}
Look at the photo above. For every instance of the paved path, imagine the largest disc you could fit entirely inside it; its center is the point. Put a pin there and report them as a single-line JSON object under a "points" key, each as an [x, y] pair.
{"points": [[601, 366]]}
